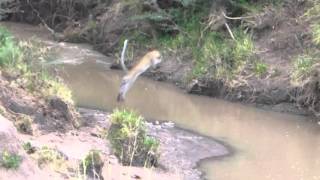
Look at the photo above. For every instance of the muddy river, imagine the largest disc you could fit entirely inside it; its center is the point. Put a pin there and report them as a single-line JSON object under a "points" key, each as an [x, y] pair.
{"points": [[265, 145]]}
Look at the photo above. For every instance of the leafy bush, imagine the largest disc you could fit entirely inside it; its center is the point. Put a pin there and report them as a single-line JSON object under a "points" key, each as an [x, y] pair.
{"points": [[10, 160], [92, 164], [129, 140]]}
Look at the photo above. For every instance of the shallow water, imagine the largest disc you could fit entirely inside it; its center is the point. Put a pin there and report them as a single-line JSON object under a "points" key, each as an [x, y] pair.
{"points": [[266, 145]]}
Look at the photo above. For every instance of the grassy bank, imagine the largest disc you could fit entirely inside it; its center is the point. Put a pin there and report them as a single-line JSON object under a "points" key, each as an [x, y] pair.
{"points": [[24, 62]]}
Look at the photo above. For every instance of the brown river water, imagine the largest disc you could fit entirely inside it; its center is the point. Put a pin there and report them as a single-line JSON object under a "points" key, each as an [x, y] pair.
{"points": [[266, 145]]}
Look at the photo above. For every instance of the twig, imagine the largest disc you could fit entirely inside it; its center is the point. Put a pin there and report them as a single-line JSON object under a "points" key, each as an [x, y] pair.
{"points": [[229, 30]]}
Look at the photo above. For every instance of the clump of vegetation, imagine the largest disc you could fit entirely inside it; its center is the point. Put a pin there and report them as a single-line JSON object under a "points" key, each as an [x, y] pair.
{"points": [[312, 15], [316, 33], [10, 160], [51, 157], [10, 53], [222, 58], [29, 148], [260, 68], [23, 124], [303, 65], [92, 164], [24, 61], [129, 140]]}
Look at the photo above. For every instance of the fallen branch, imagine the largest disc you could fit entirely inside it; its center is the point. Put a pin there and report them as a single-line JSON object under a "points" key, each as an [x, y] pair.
{"points": [[236, 18], [229, 30], [41, 19]]}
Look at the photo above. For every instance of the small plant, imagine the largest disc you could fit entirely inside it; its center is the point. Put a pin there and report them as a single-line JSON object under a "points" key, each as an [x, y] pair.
{"points": [[29, 148], [260, 68], [51, 157], [10, 160], [302, 66], [129, 140], [92, 164], [23, 124], [316, 33], [10, 53]]}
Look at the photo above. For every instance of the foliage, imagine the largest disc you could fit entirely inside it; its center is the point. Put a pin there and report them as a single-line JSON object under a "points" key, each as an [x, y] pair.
{"points": [[10, 160], [10, 53], [316, 33], [28, 148], [92, 164], [260, 68], [303, 65], [23, 124], [5, 8], [220, 57], [129, 140], [25, 60], [51, 157]]}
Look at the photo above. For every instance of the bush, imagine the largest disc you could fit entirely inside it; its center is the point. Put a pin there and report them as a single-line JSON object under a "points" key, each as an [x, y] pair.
{"points": [[10, 160], [129, 140], [92, 164], [10, 53]]}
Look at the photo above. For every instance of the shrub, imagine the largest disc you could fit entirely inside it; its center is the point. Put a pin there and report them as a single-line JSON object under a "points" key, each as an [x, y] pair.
{"points": [[92, 164], [129, 140], [10, 160]]}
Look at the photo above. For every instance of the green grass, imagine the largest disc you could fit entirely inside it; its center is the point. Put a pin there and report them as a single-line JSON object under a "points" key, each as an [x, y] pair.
{"points": [[302, 66], [260, 68], [220, 57], [10, 53], [316, 33], [10, 160], [129, 140], [25, 60]]}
